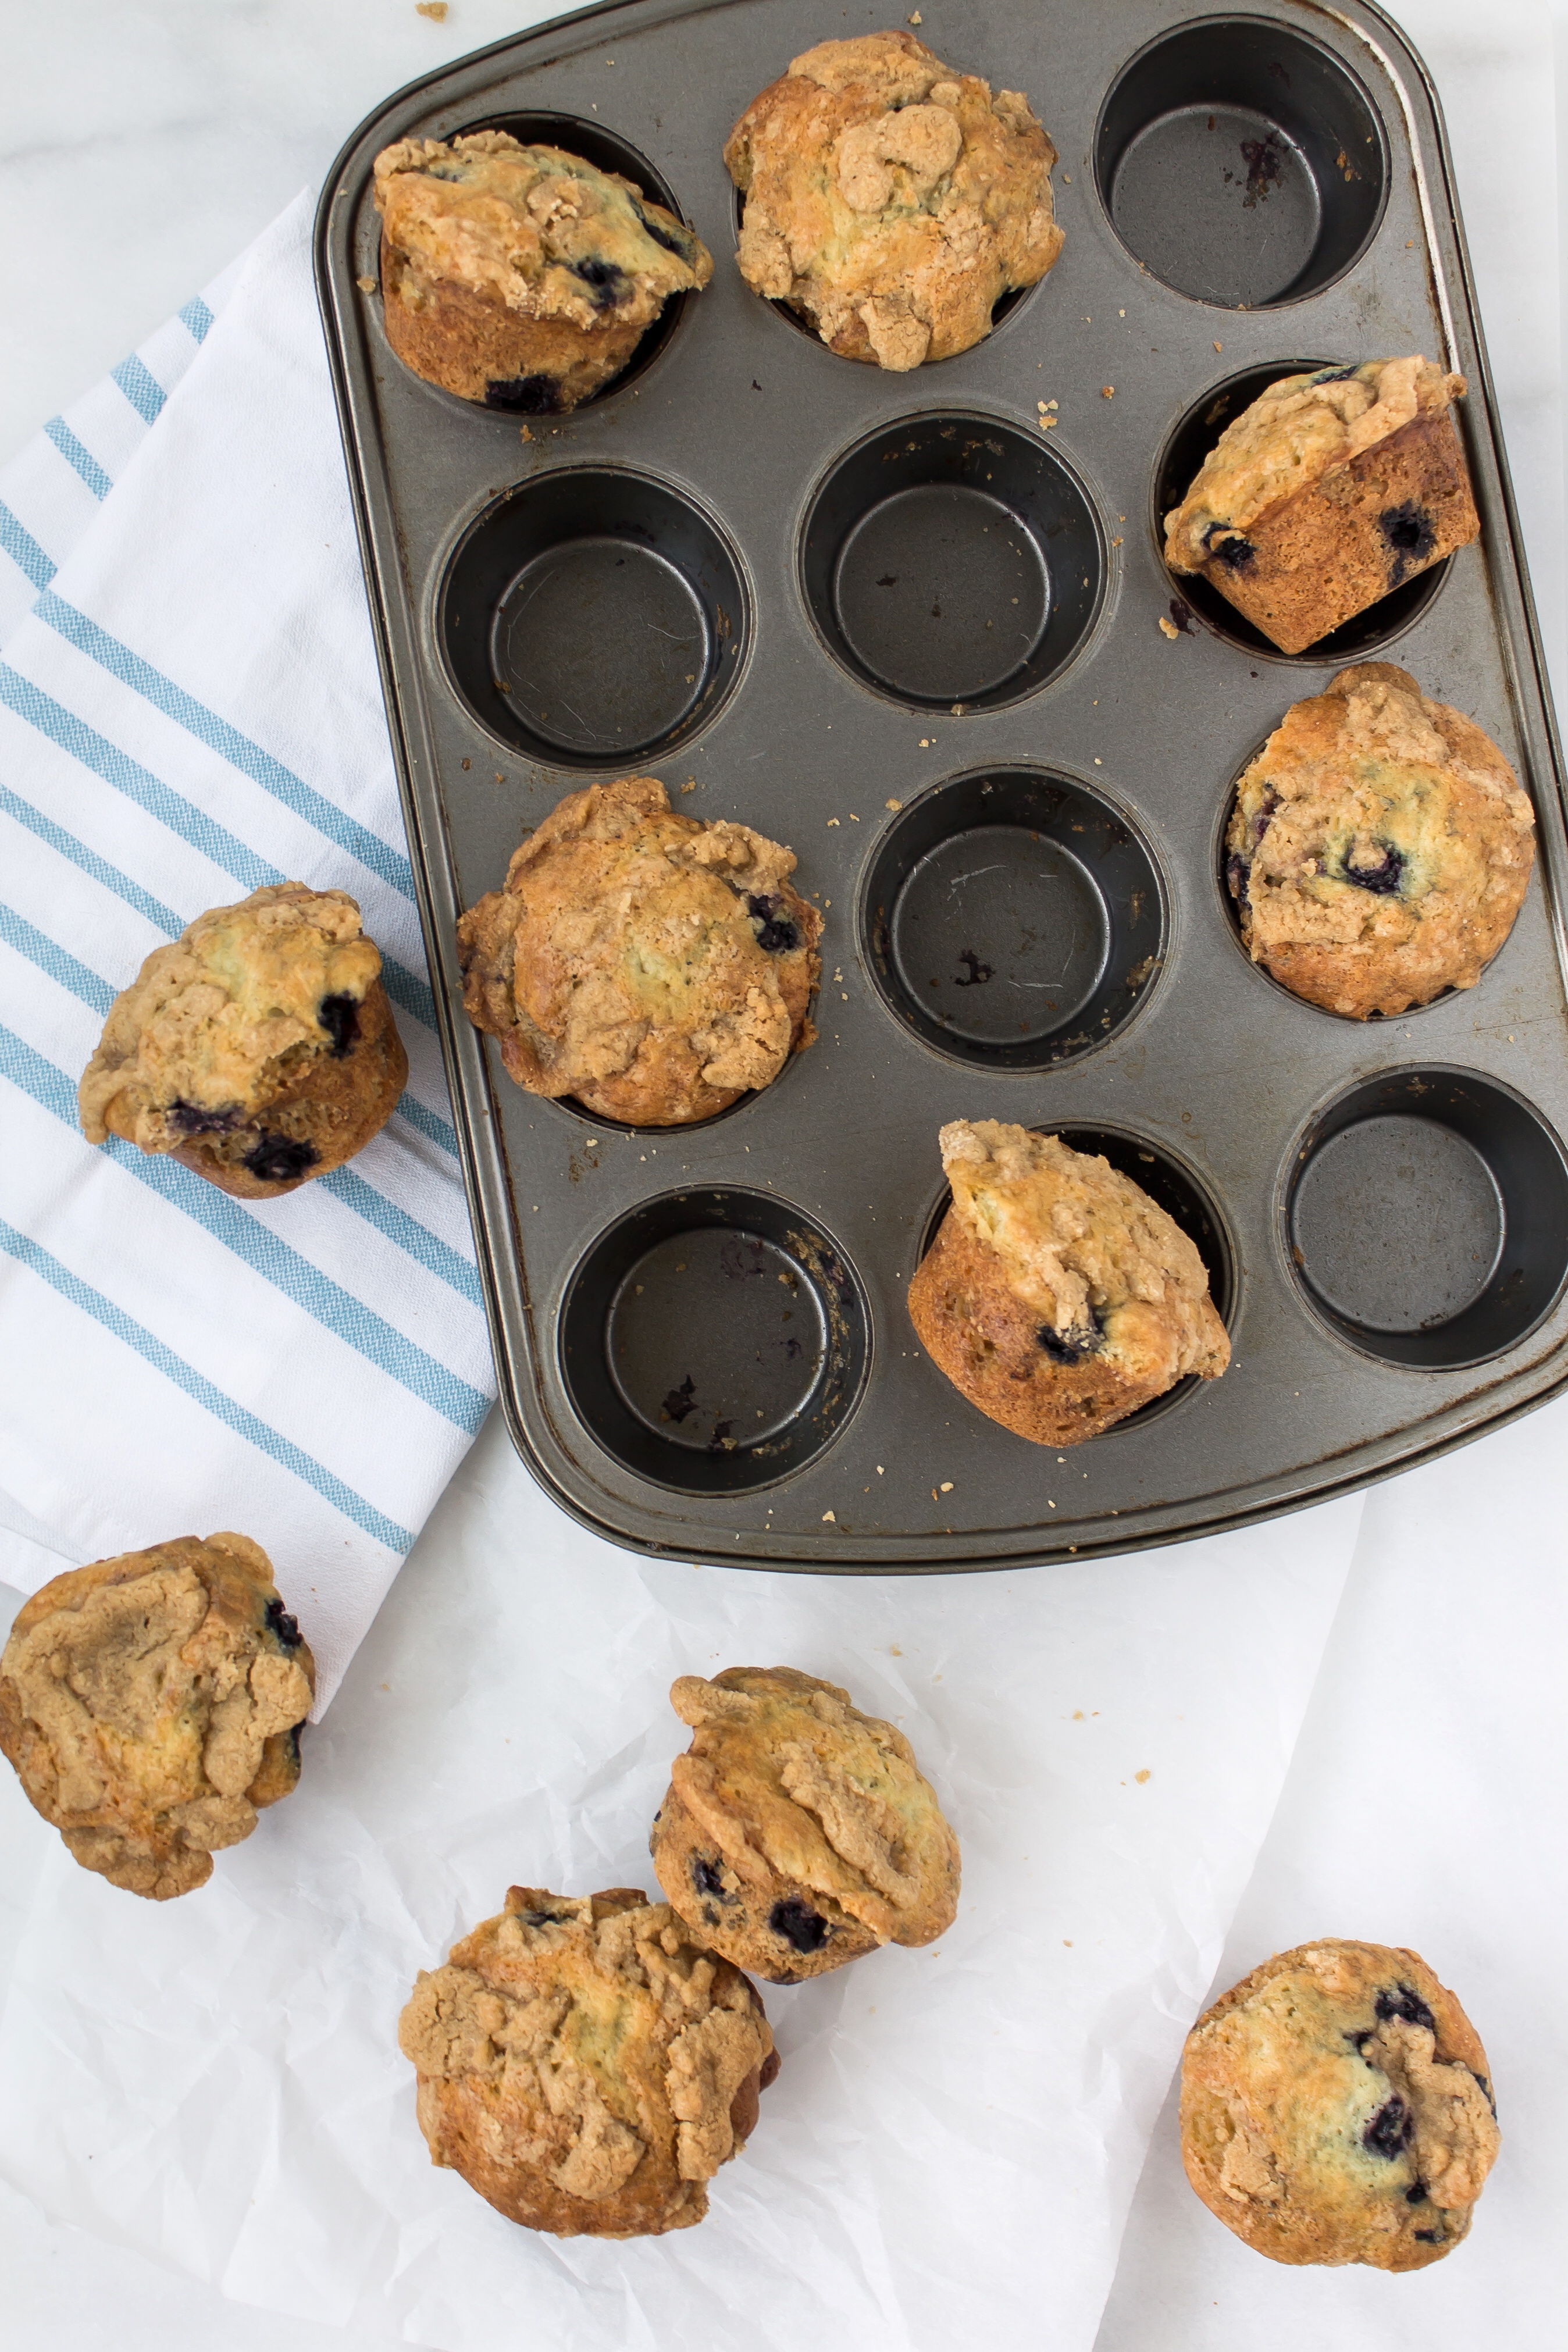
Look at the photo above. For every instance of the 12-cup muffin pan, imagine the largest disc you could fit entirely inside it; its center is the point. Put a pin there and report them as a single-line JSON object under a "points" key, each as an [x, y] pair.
{"points": [[910, 624]]}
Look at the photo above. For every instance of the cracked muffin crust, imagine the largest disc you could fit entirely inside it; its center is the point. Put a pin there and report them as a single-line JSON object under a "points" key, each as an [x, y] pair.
{"points": [[1336, 2107], [258, 1048], [797, 1832], [586, 2066], [152, 1704], [651, 966], [890, 200], [1058, 1296], [1380, 846], [522, 277], [1329, 492]]}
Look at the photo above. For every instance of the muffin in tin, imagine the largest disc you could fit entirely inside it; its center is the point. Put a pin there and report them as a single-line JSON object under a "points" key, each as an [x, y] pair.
{"points": [[651, 966], [586, 2065], [892, 199], [151, 1705], [258, 1048], [798, 1834], [1058, 1296], [522, 277], [1337, 2108], [1329, 492], [1380, 846]]}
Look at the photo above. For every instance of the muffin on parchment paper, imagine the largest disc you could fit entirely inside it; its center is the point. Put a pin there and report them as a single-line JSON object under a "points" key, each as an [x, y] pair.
{"points": [[797, 1832], [653, 967], [892, 199], [586, 2065], [258, 1048], [1380, 846], [1331, 490], [522, 277], [1058, 1296], [151, 1705], [1336, 2107]]}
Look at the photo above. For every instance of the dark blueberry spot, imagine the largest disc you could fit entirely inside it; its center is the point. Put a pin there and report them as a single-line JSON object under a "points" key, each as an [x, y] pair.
{"points": [[1234, 554], [1334, 376], [709, 1915], [1266, 808], [279, 1622], [978, 972], [190, 1118], [803, 1929], [680, 1400], [338, 1016], [1182, 615], [1486, 2088], [1430, 2237], [1360, 2036], [605, 281], [1404, 2003], [1070, 1346], [1411, 535], [534, 395], [706, 1878], [1236, 870], [1416, 2194], [1388, 2133], [1381, 879], [674, 241], [777, 934], [278, 1158], [540, 1919]]}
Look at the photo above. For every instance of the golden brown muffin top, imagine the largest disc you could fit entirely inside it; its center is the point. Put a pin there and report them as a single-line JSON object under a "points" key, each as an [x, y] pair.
{"points": [[1288, 438], [223, 1019], [542, 231], [1086, 1249], [892, 197]]}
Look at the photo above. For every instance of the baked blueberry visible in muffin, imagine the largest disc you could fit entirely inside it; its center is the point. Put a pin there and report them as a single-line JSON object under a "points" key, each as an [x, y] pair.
{"points": [[892, 199], [151, 1705], [586, 2065], [1329, 492], [1380, 846], [651, 966], [1337, 2108], [1058, 1296], [797, 1834], [519, 276], [258, 1048]]}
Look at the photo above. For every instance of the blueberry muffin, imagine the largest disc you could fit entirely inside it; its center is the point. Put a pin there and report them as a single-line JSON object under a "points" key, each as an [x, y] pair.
{"points": [[653, 967], [890, 200], [518, 276], [1380, 846], [1336, 2107], [1329, 492], [586, 2065], [258, 1048], [1058, 1296], [151, 1705], [797, 1832]]}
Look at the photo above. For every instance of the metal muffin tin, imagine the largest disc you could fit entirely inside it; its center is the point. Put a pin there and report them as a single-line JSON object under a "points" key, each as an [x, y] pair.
{"points": [[768, 575]]}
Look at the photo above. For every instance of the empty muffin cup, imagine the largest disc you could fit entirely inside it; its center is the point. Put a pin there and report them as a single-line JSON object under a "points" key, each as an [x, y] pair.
{"points": [[1013, 920], [1426, 1218], [592, 615], [714, 1341], [1179, 468], [1241, 163], [952, 560]]}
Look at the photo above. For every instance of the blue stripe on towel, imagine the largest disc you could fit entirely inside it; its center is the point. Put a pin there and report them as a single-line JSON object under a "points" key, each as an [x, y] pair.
{"points": [[223, 1408], [435, 1129], [336, 1309], [195, 315], [140, 388], [23, 549], [19, 933], [74, 454], [163, 917]]}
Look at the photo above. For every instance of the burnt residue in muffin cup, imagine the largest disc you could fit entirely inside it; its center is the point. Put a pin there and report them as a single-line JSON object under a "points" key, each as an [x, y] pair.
{"points": [[1241, 163], [1013, 920], [1180, 463], [714, 1341], [952, 560], [593, 616], [1425, 1216]]}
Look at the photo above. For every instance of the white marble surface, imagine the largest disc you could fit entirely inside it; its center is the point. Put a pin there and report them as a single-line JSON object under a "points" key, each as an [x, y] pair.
{"points": [[140, 145]]}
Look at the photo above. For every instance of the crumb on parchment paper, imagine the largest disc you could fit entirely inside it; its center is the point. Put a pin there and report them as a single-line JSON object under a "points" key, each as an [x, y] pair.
{"points": [[435, 9]]}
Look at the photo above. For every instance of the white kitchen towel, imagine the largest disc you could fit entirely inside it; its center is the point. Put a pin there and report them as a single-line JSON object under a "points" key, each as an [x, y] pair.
{"points": [[189, 707]]}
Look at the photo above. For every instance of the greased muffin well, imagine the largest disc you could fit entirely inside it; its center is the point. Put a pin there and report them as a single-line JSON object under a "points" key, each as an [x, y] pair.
{"points": [[798, 1834], [520, 275], [151, 1705], [1058, 1296], [1329, 492], [586, 2065], [1380, 847], [651, 966], [258, 1048], [1337, 2108], [892, 199]]}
